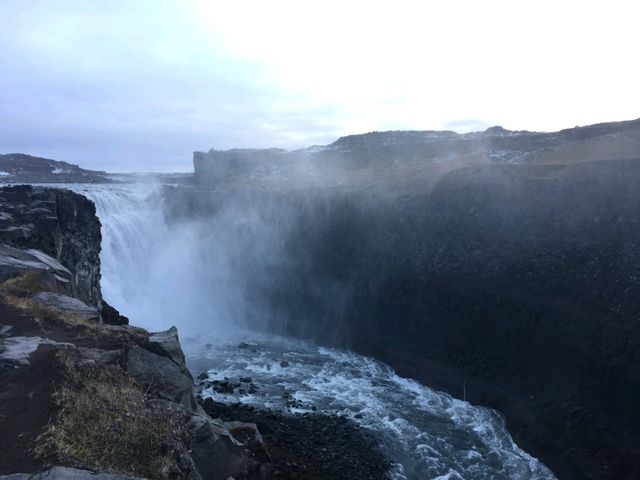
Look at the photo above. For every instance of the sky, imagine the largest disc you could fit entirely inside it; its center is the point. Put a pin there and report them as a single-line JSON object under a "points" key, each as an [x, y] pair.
{"points": [[138, 85]]}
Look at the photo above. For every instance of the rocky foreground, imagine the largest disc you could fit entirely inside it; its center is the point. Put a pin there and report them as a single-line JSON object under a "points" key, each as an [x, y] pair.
{"points": [[84, 395]]}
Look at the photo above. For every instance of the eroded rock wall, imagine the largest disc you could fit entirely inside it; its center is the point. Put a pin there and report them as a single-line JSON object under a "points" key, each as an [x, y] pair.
{"points": [[60, 223]]}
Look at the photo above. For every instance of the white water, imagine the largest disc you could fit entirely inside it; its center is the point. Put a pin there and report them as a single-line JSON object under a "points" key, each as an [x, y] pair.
{"points": [[157, 276]]}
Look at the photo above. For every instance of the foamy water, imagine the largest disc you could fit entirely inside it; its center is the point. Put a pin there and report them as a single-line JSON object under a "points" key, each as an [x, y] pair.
{"points": [[428, 434]]}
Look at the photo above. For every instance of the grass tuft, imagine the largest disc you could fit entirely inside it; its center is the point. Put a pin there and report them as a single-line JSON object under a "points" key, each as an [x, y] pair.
{"points": [[17, 292], [28, 283], [103, 424]]}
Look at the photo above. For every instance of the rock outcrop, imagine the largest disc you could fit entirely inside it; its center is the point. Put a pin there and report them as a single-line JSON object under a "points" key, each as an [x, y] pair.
{"points": [[68, 304], [14, 261], [113, 401], [60, 223]]}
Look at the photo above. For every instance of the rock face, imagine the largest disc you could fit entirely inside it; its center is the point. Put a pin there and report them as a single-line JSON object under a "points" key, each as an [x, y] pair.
{"points": [[167, 344], [216, 453], [60, 223], [21, 168], [48, 271], [51, 341], [69, 304], [512, 281], [161, 376]]}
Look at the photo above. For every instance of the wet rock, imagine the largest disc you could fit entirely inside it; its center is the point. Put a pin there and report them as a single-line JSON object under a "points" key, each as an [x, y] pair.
{"points": [[203, 376], [246, 380], [223, 386], [5, 329], [161, 376], [167, 344], [284, 363], [309, 446], [216, 453]]}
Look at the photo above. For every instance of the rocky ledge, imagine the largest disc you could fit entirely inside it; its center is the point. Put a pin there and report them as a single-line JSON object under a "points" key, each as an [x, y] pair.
{"points": [[86, 399], [80, 395], [105, 398], [73, 384], [60, 223], [58, 235]]}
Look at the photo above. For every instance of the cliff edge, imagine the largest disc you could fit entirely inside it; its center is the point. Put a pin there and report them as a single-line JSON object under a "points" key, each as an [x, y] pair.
{"points": [[79, 395]]}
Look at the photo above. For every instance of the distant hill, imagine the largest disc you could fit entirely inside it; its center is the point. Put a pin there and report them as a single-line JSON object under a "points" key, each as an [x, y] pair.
{"points": [[414, 160], [21, 168]]}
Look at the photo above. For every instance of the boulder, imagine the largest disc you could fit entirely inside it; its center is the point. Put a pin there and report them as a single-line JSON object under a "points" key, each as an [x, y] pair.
{"points": [[219, 450], [167, 344], [111, 316], [67, 304], [161, 377], [91, 357], [216, 454]]}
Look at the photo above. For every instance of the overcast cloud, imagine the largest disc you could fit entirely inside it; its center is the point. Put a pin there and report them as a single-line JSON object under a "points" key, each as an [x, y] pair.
{"points": [[138, 85]]}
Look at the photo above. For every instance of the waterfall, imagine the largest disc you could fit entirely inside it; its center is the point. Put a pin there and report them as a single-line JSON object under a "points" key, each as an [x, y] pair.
{"points": [[156, 274], [190, 274]]}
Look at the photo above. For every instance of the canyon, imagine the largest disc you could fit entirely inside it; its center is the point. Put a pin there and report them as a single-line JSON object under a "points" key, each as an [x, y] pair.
{"points": [[499, 267]]}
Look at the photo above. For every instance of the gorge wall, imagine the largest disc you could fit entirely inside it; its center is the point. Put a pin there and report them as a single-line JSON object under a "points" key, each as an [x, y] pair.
{"points": [[507, 279]]}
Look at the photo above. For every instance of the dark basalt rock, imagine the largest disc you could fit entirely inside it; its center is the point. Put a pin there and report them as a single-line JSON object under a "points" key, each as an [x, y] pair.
{"points": [[67, 304], [60, 223], [167, 344], [161, 376], [513, 286], [111, 316], [47, 271], [309, 446]]}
